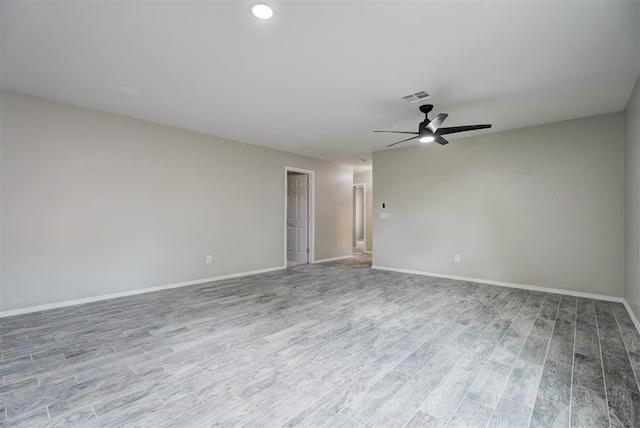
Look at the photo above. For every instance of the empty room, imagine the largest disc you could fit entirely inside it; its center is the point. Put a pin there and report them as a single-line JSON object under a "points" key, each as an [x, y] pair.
{"points": [[320, 213]]}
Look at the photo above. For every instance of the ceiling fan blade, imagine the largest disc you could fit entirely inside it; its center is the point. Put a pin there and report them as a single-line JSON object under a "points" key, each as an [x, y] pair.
{"points": [[408, 139], [454, 129], [399, 132], [436, 122], [440, 140]]}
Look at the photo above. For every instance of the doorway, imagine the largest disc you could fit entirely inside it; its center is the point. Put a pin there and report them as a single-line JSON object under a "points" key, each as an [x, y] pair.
{"points": [[359, 217], [299, 222]]}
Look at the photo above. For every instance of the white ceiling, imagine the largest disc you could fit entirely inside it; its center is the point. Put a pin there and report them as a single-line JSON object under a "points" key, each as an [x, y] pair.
{"points": [[321, 75]]}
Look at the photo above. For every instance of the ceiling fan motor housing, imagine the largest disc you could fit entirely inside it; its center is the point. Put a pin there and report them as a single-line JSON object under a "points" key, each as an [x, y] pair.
{"points": [[426, 108]]}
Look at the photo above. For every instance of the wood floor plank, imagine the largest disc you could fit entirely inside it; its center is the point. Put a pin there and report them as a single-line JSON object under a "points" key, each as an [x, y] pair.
{"points": [[33, 418], [470, 414], [340, 421], [445, 398], [381, 421], [587, 373], [555, 382], [363, 407], [611, 341], [549, 414], [290, 406], [522, 386], [488, 386], [509, 414], [423, 420], [588, 409], [404, 404], [561, 349], [199, 415], [630, 335], [623, 396], [328, 406]]}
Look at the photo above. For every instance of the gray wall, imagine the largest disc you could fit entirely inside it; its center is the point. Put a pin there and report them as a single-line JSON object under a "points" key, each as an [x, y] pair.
{"points": [[1, 186], [366, 177], [540, 206], [359, 213], [632, 201], [94, 204]]}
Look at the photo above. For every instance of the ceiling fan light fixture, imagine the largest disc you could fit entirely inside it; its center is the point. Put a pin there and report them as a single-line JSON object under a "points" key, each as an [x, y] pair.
{"points": [[427, 139], [262, 11]]}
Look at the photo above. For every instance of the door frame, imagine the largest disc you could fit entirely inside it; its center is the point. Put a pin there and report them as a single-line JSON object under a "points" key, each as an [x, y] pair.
{"points": [[311, 198], [364, 213]]}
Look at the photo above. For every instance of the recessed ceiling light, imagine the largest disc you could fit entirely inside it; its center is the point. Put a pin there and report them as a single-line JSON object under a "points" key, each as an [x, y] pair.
{"points": [[262, 11], [427, 139]]}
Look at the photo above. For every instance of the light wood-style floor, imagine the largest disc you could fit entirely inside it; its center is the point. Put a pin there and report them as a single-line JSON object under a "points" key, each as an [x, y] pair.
{"points": [[335, 345]]}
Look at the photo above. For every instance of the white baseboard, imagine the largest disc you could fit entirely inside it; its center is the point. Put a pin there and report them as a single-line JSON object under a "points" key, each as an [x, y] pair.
{"points": [[368, 252], [508, 284], [333, 259], [131, 293]]}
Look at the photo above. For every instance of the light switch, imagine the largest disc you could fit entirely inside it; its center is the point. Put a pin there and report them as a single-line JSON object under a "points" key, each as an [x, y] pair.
{"points": [[384, 216]]}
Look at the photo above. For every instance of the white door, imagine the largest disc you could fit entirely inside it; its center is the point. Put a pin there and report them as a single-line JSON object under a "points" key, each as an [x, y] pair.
{"points": [[297, 218]]}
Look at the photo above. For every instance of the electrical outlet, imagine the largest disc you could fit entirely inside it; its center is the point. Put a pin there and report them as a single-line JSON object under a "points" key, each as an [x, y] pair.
{"points": [[456, 258], [209, 258]]}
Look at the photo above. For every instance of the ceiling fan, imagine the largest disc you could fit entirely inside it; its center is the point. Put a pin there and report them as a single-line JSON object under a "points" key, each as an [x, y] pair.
{"points": [[430, 130]]}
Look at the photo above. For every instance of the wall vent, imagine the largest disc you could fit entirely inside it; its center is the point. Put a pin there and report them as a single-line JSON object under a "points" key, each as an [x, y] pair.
{"points": [[418, 96]]}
